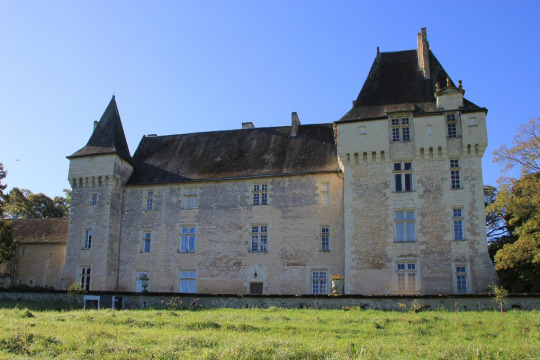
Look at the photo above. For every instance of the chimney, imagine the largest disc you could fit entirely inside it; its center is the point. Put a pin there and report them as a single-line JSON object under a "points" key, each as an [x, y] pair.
{"points": [[248, 125], [423, 53], [295, 125], [96, 123]]}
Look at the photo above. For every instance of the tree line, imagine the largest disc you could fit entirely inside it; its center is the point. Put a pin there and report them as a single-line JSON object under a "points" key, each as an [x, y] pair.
{"points": [[513, 212], [24, 204]]}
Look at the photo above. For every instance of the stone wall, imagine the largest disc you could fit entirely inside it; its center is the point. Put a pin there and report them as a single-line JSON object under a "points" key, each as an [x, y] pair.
{"points": [[222, 259], [139, 301], [372, 251]]}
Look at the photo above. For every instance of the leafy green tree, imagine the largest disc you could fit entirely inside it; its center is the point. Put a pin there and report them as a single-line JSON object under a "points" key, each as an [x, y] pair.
{"points": [[7, 246], [23, 204], [518, 201]]}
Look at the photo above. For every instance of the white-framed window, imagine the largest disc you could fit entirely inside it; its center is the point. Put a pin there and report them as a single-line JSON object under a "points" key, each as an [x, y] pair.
{"points": [[85, 276], [324, 193], [455, 179], [259, 238], [191, 198], [457, 219], [325, 238], [147, 241], [93, 199], [406, 274], [451, 126], [401, 129], [188, 281], [319, 281], [260, 194], [403, 176], [404, 220], [138, 281], [87, 243], [188, 238], [148, 199], [461, 279]]}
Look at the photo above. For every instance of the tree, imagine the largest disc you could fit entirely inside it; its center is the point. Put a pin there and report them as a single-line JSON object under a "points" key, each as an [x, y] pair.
{"points": [[23, 204], [7, 246], [518, 201]]}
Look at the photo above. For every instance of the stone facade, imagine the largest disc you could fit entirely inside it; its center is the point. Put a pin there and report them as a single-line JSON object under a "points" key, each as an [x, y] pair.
{"points": [[390, 197]]}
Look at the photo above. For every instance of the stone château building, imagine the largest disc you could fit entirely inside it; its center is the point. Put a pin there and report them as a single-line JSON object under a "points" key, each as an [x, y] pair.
{"points": [[390, 196]]}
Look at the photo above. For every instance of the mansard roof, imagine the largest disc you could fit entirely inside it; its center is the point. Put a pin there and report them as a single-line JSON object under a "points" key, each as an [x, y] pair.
{"points": [[395, 83], [108, 136], [54, 230], [231, 154]]}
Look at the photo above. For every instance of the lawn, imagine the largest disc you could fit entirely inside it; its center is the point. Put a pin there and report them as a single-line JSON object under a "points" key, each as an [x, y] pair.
{"points": [[27, 331]]}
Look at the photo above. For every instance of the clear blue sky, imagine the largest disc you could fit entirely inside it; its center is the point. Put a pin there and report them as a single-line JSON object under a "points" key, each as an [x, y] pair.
{"points": [[190, 66]]}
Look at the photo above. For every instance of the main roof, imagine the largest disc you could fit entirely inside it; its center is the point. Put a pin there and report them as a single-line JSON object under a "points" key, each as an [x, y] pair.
{"points": [[108, 136], [231, 154], [395, 83], [52, 230]]}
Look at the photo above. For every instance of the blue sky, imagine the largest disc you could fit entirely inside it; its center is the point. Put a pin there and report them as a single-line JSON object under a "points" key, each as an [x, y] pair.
{"points": [[189, 66]]}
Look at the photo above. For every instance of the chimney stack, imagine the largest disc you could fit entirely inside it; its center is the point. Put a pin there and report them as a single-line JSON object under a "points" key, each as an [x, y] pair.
{"points": [[248, 125], [295, 124], [423, 53], [95, 124]]}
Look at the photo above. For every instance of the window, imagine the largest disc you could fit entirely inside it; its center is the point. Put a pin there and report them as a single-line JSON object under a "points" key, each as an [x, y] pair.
{"points": [[454, 174], [319, 280], [188, 235], [93, 199], [138, 284], [87, 239], [259, 238], [461, 279], [22, 250], [85, 277], [403, 177], [191, 198], [406, 275], [405, 226], [457, 218], [325, 238], [147, 242], [401, 130], [188, 281], [260, 194], [451, 128], [324, 193], [149, 200]]}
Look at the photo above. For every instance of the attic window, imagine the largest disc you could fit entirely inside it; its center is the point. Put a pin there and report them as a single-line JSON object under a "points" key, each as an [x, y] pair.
{"points": [[401, 130]]}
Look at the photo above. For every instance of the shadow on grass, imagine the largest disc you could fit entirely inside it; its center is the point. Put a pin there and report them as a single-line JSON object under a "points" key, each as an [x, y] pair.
{"points": [[56, 305]]}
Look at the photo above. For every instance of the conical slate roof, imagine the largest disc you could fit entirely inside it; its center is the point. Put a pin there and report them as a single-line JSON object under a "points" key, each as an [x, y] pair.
{"points": [[108, 137], [395, 83]]}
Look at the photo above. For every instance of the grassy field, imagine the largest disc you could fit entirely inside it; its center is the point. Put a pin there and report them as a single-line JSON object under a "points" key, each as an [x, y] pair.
{"points": [[28, 332]]}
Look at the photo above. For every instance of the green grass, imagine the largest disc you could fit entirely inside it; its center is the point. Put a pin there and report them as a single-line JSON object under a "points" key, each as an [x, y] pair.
{"points": [[266, 334]]}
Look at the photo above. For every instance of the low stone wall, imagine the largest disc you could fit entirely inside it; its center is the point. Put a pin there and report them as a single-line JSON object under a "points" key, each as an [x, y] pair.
{"points": [[166, 300]]}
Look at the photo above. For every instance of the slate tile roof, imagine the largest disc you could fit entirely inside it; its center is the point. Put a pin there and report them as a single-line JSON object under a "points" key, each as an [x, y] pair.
{"points": [[396, 83], [234, 154], [53, 230], [108, 137]]}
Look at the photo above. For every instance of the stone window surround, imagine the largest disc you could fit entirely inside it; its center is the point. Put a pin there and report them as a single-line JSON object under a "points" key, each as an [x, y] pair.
{"points": [[259, 237], [188, 280], [318, 277], [458, 224], [466, 274], [406, 278], [260, 193], [84, 274], [401, 129], [455, 174], [190, 197], [325, 238], [188, 238], [408, 225], [148, 199], [452, 125], [88, 236], [403, 172]]}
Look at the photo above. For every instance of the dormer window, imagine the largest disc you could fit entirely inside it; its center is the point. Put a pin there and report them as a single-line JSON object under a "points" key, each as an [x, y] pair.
{"points": [[451, 126], [401, 130]]}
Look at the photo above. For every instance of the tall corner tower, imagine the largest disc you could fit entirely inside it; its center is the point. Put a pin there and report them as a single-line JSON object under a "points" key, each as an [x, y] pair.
{"points": [[97, 174]]}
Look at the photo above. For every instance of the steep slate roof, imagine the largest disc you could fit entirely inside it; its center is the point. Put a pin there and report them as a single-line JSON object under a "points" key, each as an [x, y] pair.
{"points": [[396, 83], [108, 137], [234, 153], [40, 230]]}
